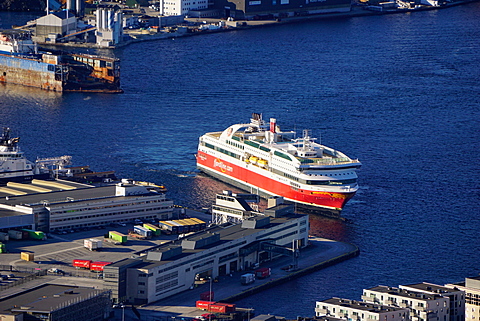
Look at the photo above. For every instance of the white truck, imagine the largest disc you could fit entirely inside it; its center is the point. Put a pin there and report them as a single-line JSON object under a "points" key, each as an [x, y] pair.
{"points": [[248, 278], [93, 244]]}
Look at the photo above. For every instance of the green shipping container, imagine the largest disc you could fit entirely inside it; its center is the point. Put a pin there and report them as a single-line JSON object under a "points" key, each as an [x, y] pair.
{"points": [[155, 229], [117, 236], [37, 235]]}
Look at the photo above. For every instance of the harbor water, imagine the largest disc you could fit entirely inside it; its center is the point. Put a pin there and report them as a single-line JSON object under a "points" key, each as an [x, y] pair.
{"points": [[400, 92]]}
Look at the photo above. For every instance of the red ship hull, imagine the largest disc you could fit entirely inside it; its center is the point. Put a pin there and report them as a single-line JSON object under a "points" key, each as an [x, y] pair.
{"points": [[242, 177]]}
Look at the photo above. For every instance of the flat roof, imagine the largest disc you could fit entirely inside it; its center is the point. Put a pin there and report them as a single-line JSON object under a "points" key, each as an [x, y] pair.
{"points": [[371, 307], [72, 192], [430, 287], [228, 232], [45, 298], [404, 293]]}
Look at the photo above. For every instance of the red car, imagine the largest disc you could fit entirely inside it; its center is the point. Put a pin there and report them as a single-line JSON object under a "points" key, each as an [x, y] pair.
{"points": [[208, 316]]}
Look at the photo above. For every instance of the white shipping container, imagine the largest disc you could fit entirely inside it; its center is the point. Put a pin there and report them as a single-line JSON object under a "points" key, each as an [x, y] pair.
{"points": [[93, 244]]}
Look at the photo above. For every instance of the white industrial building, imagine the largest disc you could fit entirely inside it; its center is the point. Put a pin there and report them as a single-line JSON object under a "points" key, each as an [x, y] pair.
{"points": [[173, 267], [422, 306], [359, 311], [181, 7], [64, 205], [109, 22], [471, 287]]}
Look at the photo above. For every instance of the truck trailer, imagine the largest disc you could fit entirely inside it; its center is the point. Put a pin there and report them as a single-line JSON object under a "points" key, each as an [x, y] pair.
{"points": [[98, 266], [263, 273], [83, 264], [117, 236], [140, 230], [93, 244]]}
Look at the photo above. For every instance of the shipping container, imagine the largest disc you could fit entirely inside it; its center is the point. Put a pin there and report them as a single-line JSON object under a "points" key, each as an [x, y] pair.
{"points": [[247, 278], [203, 305], [16, 235], [93, 244], [202, 224], [155, 229], [117, 236], [145, 232], [36, 235], [206, 296], [4, 236], [27, 256], [218, 307], [3, 249], [84, 264], [168, 226], [98, 266], [263, 273]]}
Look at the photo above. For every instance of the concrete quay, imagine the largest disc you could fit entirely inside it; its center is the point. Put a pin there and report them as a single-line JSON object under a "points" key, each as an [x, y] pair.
{"points": [[320, 254]]}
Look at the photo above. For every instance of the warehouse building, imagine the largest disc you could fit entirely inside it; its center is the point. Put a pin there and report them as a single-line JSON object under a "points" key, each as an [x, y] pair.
{"points": [[57, 302], [268, 9], [173, 267], [62, 205]]}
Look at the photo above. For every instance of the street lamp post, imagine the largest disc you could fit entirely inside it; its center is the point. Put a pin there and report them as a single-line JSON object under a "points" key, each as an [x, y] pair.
{"points": [[123, 312]]}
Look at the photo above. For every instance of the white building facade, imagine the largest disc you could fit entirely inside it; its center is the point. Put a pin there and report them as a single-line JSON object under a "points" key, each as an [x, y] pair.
{"points": [[456, 297], [471, 287], [422, 306], [181, 7], [359, 311]]}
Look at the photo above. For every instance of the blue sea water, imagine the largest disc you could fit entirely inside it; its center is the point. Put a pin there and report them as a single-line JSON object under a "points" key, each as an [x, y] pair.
{"points": [[400, 92]]}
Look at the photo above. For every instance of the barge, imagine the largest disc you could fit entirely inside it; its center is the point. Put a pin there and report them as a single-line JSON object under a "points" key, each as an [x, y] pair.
{"points": [[21, 63]]}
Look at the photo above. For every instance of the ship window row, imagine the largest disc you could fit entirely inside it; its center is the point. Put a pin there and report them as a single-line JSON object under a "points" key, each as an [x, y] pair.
{"points": [[235, 144], [283, 155], [226, 152], [339, 182], [349, 173], [11, 155]]}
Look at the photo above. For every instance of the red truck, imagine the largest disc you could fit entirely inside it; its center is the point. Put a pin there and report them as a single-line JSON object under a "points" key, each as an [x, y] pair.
{"points": [[263, 273], [84, 264], [98, 266]]}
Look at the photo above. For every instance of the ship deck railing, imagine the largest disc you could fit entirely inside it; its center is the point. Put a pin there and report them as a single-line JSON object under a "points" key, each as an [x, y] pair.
{"points": [[327, 161]]}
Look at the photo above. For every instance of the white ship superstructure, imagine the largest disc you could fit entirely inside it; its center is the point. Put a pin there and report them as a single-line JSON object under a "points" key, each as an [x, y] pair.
{"points": [[262, 159]]}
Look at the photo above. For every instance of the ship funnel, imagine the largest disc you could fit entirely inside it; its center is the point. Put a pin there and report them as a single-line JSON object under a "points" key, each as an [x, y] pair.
{"points": [[273, 124]]}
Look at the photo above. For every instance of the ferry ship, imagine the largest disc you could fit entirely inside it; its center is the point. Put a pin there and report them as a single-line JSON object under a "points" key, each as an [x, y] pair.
{"points": [[22, 64], [262, 159], [15, 167]]}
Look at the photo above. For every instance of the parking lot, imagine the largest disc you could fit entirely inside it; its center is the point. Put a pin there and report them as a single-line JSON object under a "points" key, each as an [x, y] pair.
{"points": [[59, 249]]}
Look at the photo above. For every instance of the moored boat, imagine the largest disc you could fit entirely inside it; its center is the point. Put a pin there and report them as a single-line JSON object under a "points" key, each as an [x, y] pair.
{"points": [[262, 159], [22, 64]]}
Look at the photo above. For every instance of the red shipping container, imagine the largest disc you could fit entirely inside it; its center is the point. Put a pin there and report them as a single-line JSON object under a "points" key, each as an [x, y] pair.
{"points": [[203, 305], [98, 266], [81, 263], [221, 308], [206, 296]]}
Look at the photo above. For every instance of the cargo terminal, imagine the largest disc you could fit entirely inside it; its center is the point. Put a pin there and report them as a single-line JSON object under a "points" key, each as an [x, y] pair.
{"points": [[173, 267], [63, 205]]}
